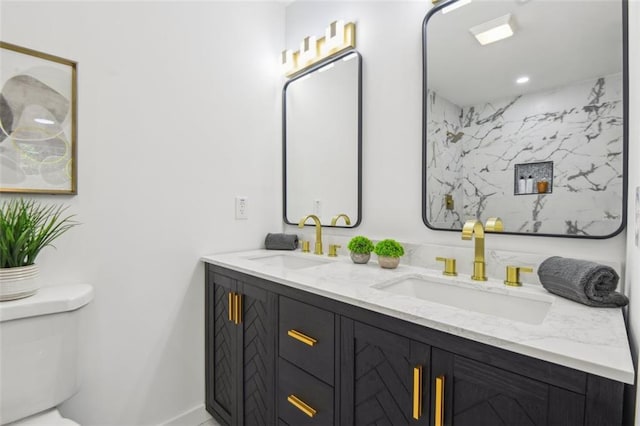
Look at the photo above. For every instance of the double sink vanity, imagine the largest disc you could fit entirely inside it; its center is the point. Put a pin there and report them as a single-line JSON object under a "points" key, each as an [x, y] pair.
{"points": [[294, 338]]}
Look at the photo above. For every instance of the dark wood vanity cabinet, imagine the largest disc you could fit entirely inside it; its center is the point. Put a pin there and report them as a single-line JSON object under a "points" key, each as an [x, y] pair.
{"points": [[239, 350], [295, 358], [476, 394], [385, 377]]}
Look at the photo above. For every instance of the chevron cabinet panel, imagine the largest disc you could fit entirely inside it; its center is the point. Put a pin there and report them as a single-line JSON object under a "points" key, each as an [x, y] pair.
{"points": [[240, 351], [477, 394], [382, 377], [258, 359], [220, 348], [223, 354]]}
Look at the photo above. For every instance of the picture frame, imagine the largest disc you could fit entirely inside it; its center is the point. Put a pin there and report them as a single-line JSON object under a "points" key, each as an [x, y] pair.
{"points": [[38, 122]]}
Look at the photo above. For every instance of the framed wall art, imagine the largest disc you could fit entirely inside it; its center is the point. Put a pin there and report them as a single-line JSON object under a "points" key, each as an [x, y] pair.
{"points": [[38, 122]]}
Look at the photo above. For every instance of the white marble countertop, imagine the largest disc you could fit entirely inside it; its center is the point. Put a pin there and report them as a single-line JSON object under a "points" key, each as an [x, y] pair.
{"points": [[589, 339]]}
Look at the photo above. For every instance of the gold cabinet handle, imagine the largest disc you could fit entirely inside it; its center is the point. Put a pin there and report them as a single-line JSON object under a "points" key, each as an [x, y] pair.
{"points": [[230, 306], [417, 392], [301, 337], [237, 302], [301, 405], [439, 408]]}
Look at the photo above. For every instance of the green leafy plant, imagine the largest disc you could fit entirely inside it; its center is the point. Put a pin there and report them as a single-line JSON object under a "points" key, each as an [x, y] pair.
{"points": [[389, 248], [26, 227], [360, 245]]}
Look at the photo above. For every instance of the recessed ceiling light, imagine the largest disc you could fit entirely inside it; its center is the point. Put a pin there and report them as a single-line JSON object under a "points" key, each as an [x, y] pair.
{"points": [[494, 30], [522, 80], [456, 5]]}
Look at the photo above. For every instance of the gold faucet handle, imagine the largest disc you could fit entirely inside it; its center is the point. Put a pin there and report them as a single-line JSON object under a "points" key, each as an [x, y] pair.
{"points": [[449, 266], [513, 275], [494, 224], [305, 247], [333, 250]]}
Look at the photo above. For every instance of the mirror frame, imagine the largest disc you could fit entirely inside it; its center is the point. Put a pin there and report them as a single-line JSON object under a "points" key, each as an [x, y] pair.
{"points": [[359, 141], [625, 128]]}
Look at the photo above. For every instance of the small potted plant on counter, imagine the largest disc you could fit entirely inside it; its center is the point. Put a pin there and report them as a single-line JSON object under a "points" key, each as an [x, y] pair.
{"points": [[389, 252], [360, 248], [26, 227]]}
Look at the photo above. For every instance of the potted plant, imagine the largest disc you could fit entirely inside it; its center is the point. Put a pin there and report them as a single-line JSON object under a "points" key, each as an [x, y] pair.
{"points": [[26, 227], [360, 248], [389, 252]]}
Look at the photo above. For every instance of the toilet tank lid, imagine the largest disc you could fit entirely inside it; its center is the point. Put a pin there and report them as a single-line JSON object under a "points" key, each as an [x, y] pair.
{"points": [[48, 300]]}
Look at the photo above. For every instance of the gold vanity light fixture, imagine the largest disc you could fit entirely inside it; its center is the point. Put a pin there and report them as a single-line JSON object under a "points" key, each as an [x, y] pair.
{"points": [[494, 30], [339, 36], [287, 61], [308, 50]]}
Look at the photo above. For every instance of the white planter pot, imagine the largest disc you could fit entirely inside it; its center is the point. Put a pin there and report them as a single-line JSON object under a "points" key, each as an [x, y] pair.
{"points": [[16, 283], [388, 262], [361, 258]]}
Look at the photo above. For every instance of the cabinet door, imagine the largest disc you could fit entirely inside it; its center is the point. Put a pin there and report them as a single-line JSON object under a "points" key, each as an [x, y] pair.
{"points": [[467, 392], [257, 346], [378, 373], [221, 348]]}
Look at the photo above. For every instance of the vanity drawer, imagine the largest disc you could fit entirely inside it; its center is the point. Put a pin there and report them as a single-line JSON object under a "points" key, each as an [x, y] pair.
{"points": [[298, 392], [306, 336]]}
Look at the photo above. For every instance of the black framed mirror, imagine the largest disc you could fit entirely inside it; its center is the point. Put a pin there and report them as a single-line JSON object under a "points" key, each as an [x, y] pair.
{"points": [[525, 116], [322, 143]]}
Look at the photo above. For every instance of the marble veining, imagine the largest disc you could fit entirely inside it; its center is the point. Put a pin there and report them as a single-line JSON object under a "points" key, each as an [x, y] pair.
{"points": [[589, 339], [472, 152]]}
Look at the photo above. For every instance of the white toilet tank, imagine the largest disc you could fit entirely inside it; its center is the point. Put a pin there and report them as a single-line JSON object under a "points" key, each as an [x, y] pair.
{"points": [[41, 339]]}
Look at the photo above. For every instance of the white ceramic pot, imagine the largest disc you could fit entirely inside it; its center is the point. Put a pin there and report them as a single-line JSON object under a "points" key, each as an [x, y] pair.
{"points": [[360, 257], [16, 283], [388, 262]]}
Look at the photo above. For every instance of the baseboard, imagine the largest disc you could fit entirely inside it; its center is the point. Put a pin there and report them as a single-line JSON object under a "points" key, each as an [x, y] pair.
{"points": [[193, 417]]}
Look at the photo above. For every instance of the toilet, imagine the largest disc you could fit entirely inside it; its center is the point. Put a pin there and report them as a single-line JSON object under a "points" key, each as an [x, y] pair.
{"points": [[41, 342]]}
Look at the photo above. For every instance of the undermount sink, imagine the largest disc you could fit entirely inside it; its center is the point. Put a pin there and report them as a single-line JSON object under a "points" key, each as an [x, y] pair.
{"points": [[288, 261], [530, 309]]}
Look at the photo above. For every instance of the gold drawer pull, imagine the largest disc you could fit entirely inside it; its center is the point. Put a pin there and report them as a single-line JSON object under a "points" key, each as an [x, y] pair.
{"points": [[230, 306], [238, 308], [307, 340], [439, 408], [301, 405], [417, 392]]}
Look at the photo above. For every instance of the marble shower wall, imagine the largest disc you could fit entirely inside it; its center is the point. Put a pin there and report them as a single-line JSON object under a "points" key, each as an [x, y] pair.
{"points": [[473, 150], [445, 162]]}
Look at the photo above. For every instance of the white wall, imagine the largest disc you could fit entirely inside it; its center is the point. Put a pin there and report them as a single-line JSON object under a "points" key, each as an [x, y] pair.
{"points": [[633, 251], [178, 112], [389, 39]]}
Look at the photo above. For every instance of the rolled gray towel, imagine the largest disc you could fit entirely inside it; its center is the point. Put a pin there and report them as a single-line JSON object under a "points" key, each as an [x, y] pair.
{"points": [[281, 242], [586, 282]]}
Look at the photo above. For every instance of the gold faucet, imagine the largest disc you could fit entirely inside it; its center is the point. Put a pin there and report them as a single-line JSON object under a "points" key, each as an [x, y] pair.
{"points": [[473, 227], [334, 220], [318, 249]]}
